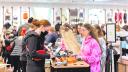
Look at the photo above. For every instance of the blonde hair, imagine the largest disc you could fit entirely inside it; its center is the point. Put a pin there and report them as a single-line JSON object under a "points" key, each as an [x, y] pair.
{"points": [[70, 40], [117, 28]]}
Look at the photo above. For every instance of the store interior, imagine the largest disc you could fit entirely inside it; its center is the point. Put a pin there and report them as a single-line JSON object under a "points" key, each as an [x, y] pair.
{"points": [[111, 13]]}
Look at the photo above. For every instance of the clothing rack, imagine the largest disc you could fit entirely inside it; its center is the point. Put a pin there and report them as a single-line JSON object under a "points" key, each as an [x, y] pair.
{"points": [[110, 59]]}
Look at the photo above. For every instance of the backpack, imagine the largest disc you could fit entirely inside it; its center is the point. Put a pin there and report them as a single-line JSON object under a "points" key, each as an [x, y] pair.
{"points": [[24, 53], [8, 48]]}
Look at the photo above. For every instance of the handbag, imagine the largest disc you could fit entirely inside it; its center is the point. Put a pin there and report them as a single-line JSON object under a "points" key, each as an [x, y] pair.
{"points": [[39, 52]]}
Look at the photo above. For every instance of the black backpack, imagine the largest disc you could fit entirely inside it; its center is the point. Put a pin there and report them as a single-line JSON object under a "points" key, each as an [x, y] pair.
{"points": [[23, 56]]}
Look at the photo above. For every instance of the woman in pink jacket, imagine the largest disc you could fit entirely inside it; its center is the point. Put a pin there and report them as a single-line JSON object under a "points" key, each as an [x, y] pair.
{"points": [[90, 50]]}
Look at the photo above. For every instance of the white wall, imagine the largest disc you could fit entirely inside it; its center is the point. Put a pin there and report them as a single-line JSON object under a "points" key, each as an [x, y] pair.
{"points": [[86, 6], [66, 5]]}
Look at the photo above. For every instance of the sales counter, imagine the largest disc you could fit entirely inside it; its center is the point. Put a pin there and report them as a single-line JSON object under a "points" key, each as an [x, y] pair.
{"points": [[79, 66], [122, 65]]}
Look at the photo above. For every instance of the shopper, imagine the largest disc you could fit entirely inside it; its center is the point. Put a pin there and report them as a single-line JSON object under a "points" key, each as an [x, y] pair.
{"points": [[1, 45], [79, 36], [23, 56], [51, 37], [57, 28], [8, 46], [90, 49], [15, 54], [102, 42], [103, 29], [125, 32], [35, 60]]}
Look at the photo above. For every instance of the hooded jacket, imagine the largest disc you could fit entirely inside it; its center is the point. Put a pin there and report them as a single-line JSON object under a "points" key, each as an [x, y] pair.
{"points": [[33, 42], [91, 53]]}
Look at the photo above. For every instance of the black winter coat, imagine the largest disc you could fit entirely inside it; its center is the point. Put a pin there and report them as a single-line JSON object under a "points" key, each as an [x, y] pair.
{"points": [[34, 43]]}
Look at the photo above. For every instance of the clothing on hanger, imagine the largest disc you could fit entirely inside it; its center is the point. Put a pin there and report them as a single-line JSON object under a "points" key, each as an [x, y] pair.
{"points": [[125, 18], [116, 17], [120, 17]]}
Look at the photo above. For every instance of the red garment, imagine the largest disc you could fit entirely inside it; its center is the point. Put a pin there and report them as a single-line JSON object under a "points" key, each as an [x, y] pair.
{"points": [[116, 17], [8, 48], [23, 31], [120, 17], [41, 51]]}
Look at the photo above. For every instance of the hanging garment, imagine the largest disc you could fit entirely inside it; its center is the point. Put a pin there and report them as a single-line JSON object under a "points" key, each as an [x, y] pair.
{"points": [[120, 17], [116, 17], [108, 61], [125, 18]]}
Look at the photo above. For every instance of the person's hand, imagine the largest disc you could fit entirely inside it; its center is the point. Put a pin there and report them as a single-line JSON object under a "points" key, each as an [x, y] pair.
{"points": [[78, 57], [51, 55]]}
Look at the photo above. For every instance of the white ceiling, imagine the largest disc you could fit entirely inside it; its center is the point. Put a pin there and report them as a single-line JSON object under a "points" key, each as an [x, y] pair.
{"points": [[61, 1], [103, 2]]}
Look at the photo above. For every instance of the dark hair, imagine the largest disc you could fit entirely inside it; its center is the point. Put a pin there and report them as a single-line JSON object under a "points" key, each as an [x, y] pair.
{"points": [[30, 20], [80, 24], [67, 27], [7, 25], [125, 27], [100, 32]]}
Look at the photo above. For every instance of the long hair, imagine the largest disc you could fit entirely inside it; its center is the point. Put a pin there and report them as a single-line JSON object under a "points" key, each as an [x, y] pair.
{"points": [[93, 33], [80, 24], [69, 39], [100, 31]]}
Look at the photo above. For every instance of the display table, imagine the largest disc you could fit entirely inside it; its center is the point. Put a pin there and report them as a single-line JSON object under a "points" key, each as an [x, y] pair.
{"points": [[122, 65], [79, 66], [47, 65]]}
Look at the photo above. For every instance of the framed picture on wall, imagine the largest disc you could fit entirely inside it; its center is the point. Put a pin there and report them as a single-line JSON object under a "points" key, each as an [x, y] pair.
{"points": [[57, 15], [16, 16], [111, 32], [8, 15], [24, 15]]}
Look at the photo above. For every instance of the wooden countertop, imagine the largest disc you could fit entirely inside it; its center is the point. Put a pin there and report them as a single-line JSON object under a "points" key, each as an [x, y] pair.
{"points": [[79, 64], [123, 61]]}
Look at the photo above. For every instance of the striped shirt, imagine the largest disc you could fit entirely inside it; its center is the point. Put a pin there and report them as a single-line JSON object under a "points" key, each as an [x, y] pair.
{"points": [[18, 47]]}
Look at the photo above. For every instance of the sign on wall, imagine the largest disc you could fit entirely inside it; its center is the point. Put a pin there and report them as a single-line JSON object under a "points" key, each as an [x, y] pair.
{"points": [[111, 32]]}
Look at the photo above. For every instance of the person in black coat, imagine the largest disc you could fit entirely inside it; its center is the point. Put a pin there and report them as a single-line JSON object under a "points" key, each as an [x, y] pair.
{"points": [[35, 60]]}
